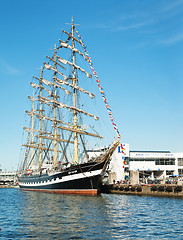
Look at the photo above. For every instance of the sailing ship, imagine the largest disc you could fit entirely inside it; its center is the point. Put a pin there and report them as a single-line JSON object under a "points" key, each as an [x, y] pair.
{"points": [[56, 158]]}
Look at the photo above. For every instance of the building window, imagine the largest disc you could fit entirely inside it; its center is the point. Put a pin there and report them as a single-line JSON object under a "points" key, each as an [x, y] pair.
{"points": [[142, 159], [165, 161], [180, 172], [126, 159], [180, 161], [158, 161], [169, 172], [126, 169]]}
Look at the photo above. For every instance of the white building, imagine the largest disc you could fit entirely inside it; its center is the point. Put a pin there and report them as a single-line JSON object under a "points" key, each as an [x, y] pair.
{"points": [[8, 177], [156, 164], [150, 164]]}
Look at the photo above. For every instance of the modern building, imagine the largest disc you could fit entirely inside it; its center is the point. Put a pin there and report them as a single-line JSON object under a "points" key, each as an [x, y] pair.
{"points": [[151, 165], [8, 177], [156, 164]]}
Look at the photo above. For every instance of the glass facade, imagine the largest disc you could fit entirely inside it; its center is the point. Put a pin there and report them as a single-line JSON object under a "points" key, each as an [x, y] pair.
{"points": [[126, 169], [180, 161], [158, 161], [169, 172], [165, 161], [142, 159], [180, 172]]}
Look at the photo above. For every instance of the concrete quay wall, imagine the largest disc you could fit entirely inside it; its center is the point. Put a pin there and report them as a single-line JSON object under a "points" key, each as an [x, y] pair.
{"points": [[159, 190]]}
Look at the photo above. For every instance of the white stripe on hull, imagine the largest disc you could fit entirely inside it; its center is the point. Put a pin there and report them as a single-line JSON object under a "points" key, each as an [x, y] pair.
{"points": [[63, 179]]}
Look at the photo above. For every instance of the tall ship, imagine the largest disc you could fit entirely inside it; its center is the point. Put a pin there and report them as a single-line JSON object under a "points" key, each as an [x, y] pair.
{"points": [[60, 132]]}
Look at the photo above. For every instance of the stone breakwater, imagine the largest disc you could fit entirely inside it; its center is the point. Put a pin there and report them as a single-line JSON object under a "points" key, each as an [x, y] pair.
{"points": [[159, 190]]}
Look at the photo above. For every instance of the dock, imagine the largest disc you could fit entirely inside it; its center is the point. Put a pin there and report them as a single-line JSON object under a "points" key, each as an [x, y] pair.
{"points": [[158, 190]]}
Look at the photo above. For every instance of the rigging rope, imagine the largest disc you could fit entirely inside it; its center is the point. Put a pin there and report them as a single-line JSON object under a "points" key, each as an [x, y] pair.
{"points": [[99, 85]]}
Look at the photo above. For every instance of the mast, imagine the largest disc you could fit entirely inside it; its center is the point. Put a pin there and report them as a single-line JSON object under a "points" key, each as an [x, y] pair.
{"points": [[32, 134], [40, 122], [55, 110], [50, 140], [74, 99]]}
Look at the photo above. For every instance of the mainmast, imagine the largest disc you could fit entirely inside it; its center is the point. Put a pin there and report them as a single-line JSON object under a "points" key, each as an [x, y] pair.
{"points": [[40, 122], [32, 134], [55, 110], [74, 99]]}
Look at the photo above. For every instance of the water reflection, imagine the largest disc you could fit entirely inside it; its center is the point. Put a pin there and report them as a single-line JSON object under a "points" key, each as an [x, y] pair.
{"points": [[34, 215], [66, 216]]}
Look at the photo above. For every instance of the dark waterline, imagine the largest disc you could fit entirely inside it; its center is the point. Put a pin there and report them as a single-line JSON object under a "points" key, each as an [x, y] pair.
{"points": [[31, 215]]}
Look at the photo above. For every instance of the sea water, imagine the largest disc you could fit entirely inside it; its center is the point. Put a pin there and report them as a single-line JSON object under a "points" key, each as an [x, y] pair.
{"points": [[32, 215]]}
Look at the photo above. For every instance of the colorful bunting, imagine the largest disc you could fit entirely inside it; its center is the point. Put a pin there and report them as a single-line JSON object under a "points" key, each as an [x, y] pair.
{"points": [[100, 87]]}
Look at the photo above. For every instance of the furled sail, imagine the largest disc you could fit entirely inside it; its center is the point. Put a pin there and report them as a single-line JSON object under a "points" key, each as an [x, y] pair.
{"points": [[49, 67], [56, 62], [66, 45], [62, 105], [60, 81], [72, 64], [38, 86], [35, 130], [32, 98], [49, 83], [62, 60], [43, 117], [38, 147]]}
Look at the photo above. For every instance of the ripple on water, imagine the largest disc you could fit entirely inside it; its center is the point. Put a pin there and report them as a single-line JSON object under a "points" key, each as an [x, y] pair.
{"points": [[25, 215]]}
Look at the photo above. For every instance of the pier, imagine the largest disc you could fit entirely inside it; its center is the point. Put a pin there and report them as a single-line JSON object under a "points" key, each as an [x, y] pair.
{"points": [[158, 190]]}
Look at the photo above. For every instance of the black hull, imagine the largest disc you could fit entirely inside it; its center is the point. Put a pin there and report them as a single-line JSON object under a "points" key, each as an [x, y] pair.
{"points": [[80, 179], [83, 178]]}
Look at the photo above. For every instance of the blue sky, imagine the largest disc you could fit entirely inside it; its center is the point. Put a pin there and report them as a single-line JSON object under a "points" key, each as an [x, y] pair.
{"points": [[137, 50]]}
